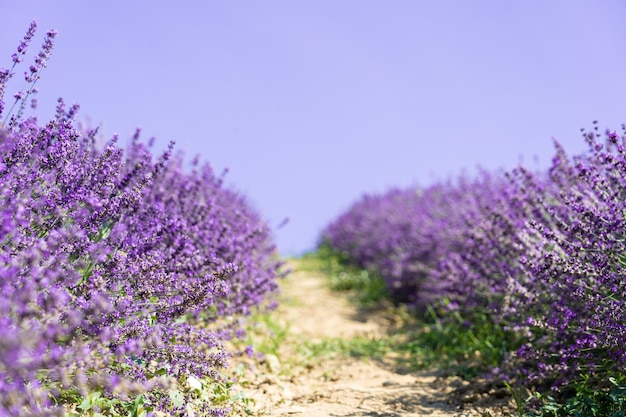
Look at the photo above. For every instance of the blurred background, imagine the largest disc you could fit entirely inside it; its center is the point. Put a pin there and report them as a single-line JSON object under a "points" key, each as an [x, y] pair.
{"points": [[310, 104]]}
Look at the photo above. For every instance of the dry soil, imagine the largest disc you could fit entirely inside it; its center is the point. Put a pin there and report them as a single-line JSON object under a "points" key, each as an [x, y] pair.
{"points": [[291, 384]]}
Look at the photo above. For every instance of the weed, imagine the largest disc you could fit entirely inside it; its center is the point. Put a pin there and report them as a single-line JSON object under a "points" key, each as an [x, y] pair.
{"points": [[519, 396]]}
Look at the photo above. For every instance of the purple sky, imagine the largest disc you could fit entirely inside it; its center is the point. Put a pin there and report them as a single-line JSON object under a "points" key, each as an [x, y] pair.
{"points": [[310, 104]]}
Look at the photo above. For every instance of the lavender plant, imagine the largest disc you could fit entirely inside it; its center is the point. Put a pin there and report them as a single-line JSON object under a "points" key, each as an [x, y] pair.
{"points": [[577, 308], [547, 261], [405, 234], [106, 255]]}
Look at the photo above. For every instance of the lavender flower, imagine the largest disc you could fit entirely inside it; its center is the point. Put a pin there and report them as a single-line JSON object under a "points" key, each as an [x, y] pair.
{"points": [[108, 257], [406, 234], [31, 76]]}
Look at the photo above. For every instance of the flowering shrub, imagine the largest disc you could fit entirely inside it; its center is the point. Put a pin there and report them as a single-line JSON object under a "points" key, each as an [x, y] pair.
{"points": [[405, 234], [107, 258], [547, 261], [574, 295]]}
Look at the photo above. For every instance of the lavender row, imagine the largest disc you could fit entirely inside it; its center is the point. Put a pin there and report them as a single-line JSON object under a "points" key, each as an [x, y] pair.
{"points": [[542, 253], [405, 234], [108, 256]]}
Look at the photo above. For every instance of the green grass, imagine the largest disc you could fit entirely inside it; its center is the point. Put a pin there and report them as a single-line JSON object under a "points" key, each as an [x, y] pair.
{"points": [[358, 347], [467, 348], [364, 287]]}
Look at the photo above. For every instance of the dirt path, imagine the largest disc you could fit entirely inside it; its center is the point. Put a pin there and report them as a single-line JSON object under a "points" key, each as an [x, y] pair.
{"points": [[289, 384]]}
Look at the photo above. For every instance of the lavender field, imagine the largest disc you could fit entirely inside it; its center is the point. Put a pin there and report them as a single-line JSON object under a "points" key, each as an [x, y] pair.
{"points": [[129, 277]]}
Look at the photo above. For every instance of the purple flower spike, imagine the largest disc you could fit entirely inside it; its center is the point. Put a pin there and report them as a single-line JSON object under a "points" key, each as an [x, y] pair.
{"points": [[108, 256]]}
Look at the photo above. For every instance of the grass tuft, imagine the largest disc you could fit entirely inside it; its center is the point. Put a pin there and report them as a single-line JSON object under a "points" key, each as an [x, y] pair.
{"points": [[365, 287]]}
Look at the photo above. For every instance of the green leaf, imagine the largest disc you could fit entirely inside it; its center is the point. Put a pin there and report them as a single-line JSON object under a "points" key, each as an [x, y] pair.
{"points": [[176, 397], [139, 400], [161, 372], [89, 401]]}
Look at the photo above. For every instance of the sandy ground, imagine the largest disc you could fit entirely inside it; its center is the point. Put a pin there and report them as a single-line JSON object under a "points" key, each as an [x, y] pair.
{"points": [[287, 385]]}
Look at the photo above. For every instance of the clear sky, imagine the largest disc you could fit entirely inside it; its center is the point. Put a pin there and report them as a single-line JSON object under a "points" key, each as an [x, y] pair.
{"points": [[311, 103]]}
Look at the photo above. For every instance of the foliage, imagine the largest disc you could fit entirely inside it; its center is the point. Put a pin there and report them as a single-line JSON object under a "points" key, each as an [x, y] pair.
{"points": [[588, 398]]}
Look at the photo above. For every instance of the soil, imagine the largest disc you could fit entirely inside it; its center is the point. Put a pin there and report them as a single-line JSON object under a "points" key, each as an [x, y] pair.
{"points": [[288, 383]]}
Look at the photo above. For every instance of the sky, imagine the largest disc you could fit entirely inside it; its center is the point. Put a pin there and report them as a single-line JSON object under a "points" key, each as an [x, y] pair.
{"points": [[312, 103]]}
